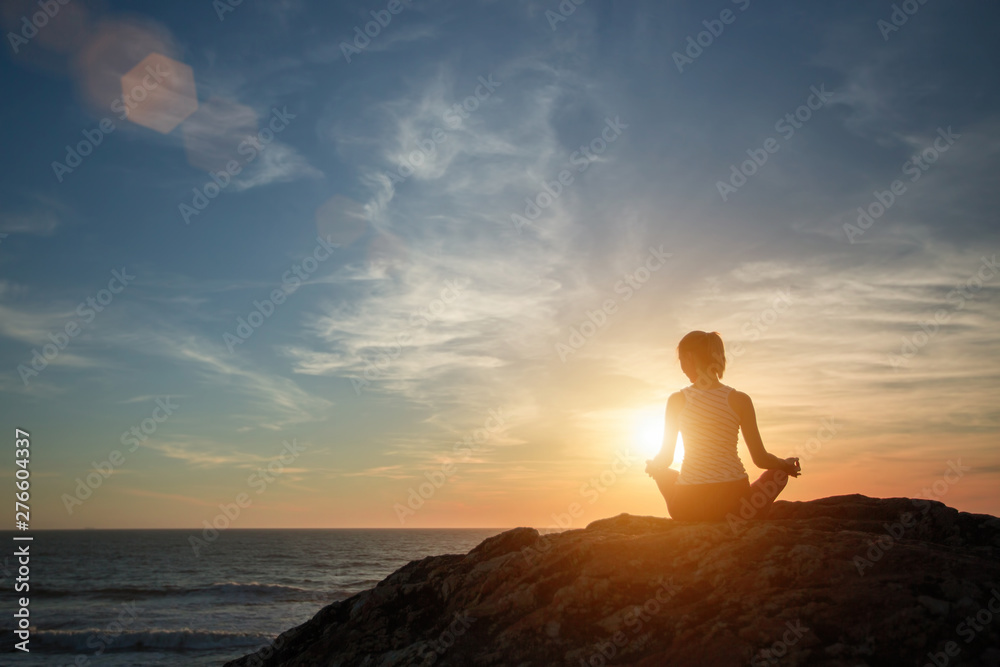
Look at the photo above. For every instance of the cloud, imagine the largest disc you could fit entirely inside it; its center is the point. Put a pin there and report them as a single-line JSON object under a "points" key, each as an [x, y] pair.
{"points": [[397, 34], [166, 328], [147, 398], [274, 402], [403, 35], [277, 163], [452, 217], [200, 453], [172, 497], [42, 223], [40, 216], [223, 131], [388, 472]]}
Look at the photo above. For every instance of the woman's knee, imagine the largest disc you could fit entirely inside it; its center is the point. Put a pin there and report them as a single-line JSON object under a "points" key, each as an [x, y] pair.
{"points": [[768, 486], [666, 490], [780, 478], [773, 480]]}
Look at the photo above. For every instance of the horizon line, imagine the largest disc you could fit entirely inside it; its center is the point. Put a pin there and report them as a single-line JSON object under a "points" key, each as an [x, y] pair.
{"points": [[90, 528]]}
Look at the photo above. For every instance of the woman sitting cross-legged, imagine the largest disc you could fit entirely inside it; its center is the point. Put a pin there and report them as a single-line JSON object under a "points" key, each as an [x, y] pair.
{"points": [[712, 482]]}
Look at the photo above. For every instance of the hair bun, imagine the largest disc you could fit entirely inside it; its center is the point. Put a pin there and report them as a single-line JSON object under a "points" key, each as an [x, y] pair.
{"points": [[707, 350]]}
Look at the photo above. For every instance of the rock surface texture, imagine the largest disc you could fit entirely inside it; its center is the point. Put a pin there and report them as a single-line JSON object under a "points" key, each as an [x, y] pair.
{"points": [[844, 581]]}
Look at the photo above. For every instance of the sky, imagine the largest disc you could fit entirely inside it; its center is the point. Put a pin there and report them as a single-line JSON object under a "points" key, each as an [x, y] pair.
{"points": [[426, 264]]}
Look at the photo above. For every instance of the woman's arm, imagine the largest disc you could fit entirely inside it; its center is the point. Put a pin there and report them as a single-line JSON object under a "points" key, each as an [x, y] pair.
{"points": [[671, 426], [743, 407]]}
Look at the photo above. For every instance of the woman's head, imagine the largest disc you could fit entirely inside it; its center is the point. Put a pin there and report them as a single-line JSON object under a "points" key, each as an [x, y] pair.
{"points": [[702, 355]]}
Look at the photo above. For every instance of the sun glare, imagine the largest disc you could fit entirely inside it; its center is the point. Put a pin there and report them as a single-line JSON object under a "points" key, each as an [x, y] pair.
{"points": [[649, 438]]}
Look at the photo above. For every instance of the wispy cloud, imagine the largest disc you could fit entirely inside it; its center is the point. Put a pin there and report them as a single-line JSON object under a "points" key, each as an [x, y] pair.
{"points": [[171, 497], [200, 453], [278, 163], [41, 215]]}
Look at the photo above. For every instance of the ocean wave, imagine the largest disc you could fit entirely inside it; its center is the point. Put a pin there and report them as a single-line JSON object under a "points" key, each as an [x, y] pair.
{"points": [[254, 589], [223, 591], [88, 641]]}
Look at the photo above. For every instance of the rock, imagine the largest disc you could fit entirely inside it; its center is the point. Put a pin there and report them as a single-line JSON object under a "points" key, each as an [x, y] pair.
{"points": [[933, 605], [847, 580]]}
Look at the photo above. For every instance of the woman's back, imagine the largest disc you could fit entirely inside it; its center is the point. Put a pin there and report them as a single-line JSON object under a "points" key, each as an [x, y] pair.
{"points": [[710, 428], [713, 483]]}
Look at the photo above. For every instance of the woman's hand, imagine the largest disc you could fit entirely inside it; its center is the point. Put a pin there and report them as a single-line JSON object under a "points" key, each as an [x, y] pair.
{"points": [[794, 468], [655, 467], [662, 474]]}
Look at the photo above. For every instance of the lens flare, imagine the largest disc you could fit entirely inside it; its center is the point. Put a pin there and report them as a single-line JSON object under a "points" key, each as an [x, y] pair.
{"points": [[158, 93], [649, 437]]}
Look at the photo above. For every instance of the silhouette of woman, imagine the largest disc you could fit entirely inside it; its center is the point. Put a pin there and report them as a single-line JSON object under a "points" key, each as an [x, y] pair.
{"points": [[712, 482]]}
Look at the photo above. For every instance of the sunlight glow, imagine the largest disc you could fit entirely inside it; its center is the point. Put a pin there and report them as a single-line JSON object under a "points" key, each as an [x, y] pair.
{"points": [[649, 437], [678, 453]]}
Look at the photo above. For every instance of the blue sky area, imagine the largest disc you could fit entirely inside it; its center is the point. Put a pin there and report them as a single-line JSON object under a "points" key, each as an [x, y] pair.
{"points": [[492, 208]]}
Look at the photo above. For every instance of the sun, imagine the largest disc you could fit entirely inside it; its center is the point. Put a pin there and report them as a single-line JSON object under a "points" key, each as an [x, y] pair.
{"points": [[649, 437]]}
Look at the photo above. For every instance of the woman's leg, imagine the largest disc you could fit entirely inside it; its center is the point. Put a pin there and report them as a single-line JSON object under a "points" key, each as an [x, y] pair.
{"points": [[763, 492], [706, 502], [665, 481]]}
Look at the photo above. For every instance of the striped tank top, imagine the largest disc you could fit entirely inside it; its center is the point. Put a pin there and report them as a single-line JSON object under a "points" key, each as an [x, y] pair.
{"points": [[710, 429]]}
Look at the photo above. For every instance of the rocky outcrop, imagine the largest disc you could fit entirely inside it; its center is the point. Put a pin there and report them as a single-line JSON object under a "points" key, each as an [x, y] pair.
{"points": [[845, 581]]}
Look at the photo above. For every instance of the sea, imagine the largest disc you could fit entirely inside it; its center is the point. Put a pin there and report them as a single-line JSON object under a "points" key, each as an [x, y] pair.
{"points": [[144, 597]]}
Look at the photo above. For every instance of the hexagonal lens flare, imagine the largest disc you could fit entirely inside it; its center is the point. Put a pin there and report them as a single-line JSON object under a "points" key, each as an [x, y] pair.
{"points": [[159, 93]]}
